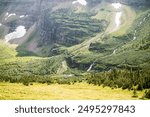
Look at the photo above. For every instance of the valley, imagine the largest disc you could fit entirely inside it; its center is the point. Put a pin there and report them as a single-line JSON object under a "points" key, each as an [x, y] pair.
{"points": [[99, 46]]}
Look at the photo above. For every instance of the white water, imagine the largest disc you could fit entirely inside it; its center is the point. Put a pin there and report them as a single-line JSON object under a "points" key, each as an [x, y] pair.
{"points": [[114, 52], [82, 2], [19, 32], [134, 38], [89, 69], [118, 19], [118, 16], [117, 6], [141, 22], [135, 33]]}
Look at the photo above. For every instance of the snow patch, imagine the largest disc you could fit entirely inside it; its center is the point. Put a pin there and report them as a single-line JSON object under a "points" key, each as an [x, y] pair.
{"points": [[12, 14], [117, 5], [19, 32], [9, 15], [22, 16], [82, 2]]}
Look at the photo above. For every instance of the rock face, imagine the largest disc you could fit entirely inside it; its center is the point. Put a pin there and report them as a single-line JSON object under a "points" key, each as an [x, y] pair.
{"points": [[19, 12], [68, 28], [55, 23]]}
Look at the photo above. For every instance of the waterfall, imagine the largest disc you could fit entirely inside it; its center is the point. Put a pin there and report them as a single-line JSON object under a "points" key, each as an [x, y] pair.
{"points": [[118, 16], [114, 52], [89, 69]]}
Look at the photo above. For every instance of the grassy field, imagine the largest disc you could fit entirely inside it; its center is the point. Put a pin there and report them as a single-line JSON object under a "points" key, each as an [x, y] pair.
{"points": [[78, 91]]}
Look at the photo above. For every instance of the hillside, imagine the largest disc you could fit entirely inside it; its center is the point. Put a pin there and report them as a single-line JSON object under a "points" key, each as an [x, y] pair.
{"points": [[13, 68]]}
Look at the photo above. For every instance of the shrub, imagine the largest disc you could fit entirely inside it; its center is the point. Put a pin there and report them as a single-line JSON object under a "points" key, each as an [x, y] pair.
{"points": [[26, 83], [135, 92], [124, 79], [147, 94]]}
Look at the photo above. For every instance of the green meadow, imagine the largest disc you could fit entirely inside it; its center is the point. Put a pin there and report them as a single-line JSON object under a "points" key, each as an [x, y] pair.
{"points": [[77, 91]]}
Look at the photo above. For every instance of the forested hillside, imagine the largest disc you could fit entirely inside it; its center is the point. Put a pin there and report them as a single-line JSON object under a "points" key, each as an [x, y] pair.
{"points": [[101, 42]]}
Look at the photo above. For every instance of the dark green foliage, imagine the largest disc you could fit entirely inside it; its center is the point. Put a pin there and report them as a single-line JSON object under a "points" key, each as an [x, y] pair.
{"points": [[68, 28], [147, 94], [135, 92], [32, 67], [99, 47], [23, 52], [26, 83], [29, 79], [56, 50], [124, 79], [110, 43], [68, 80]]}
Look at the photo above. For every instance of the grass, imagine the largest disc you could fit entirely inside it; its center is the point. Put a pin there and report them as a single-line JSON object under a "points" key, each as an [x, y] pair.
{"points": [[7, 50], [78, 91], [9, 63]]}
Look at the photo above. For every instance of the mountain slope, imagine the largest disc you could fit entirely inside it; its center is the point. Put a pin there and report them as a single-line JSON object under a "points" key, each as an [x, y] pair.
{"points": [[112, 51], [14, 68], [76, 37]]}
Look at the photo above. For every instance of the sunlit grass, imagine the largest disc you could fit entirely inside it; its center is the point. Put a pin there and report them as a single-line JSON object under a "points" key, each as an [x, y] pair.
{"points": [[78, 91]]}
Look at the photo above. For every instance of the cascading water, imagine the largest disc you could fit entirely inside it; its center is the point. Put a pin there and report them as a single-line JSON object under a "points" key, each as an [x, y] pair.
{"points": [[118, 16], [89, 69]]}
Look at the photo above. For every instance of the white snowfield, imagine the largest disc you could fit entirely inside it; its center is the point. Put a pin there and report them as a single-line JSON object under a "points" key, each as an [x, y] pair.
{"points": [[18, 33], [82, 2]]}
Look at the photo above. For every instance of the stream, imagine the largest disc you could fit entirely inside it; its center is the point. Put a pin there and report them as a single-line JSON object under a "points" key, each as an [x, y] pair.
{"points": [[141, 22], [118, 15], [89, 69]]}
